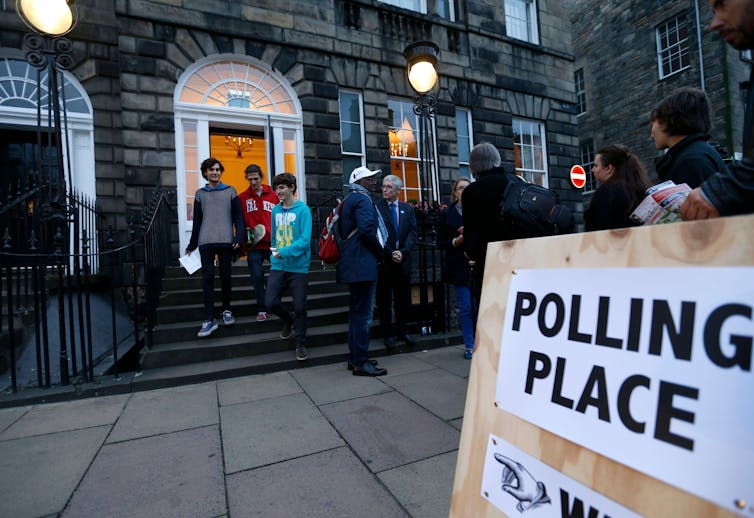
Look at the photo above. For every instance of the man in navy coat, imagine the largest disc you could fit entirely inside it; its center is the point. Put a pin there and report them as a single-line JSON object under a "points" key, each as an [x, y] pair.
{"points": [[394, 280], [361, 249]]}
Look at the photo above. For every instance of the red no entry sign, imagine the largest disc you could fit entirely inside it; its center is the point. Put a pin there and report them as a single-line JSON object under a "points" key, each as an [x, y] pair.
{"points": [[578, 176]]}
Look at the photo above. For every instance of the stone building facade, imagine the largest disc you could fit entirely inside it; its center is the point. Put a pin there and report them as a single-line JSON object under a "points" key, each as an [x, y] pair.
{"points": [[630, 55], [309, 87]]}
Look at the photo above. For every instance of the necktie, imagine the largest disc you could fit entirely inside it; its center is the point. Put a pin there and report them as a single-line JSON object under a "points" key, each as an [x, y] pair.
{"points": [[394, 210], [381, 229]]}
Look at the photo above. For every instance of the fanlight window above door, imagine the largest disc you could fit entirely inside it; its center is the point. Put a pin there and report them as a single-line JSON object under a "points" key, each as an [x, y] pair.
{"points": [[237, 84], [19, 88]]}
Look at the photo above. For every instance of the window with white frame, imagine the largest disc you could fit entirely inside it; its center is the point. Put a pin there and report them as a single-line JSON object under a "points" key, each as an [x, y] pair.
{"points": [[672, 46], [586, 150], [419, 6], [464, 140], [521, 20], [405, 150], [351, 131], [578, 79], [447, 9], [529, 152]]}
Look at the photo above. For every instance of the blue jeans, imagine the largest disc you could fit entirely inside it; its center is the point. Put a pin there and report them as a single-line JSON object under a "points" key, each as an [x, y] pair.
{"points": [[361, 303], [463, 295], [297, 283], [255, 260]]}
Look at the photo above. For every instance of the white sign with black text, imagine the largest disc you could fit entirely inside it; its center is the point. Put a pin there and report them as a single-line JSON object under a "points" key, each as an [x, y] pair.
{"points": [[651, 367], [521, 485]]}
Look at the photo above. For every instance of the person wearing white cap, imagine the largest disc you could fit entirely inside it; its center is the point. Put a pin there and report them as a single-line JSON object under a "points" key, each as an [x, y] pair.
{"points": [[357, 267]]}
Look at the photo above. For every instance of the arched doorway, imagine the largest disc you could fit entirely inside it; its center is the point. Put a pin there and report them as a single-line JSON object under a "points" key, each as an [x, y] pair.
{"points": [[239, 110], [18, 121]]}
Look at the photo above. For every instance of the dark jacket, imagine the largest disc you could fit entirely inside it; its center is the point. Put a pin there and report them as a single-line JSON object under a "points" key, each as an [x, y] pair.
{"points": [[609, 208], [456, 265], [732, 190], [360, 252], [406, 232], [691, 161], [481, 213]]}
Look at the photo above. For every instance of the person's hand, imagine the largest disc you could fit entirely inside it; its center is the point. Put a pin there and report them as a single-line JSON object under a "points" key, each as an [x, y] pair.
{"points": [[460, 230], [458, 241], [527, 490], [236, 246], [187, 252], [397, 256], [696, 207], [274, 252]]}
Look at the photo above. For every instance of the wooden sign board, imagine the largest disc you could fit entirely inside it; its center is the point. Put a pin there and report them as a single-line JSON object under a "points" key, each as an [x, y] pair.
{"points": [[516, 432]]}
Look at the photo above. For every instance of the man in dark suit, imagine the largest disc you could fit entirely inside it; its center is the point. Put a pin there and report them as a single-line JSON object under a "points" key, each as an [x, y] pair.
{"points": [[394, 279]]}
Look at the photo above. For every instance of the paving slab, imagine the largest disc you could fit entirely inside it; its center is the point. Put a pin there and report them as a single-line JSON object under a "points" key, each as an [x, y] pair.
{"points": [[398, 364], [167, 410], [326, 484], [253, 388], [437, 390], [389, 430], [424, 488], [449, 358], [330, 383], [178, 474], [273, 430], [8, 416], [70, 415], [38, 474]]}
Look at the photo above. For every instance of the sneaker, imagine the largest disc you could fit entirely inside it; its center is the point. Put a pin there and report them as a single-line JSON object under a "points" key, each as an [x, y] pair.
{"points": [[208, 327], [287, 331], [261, 316], [228, 319], [301, 353], [467, 354]]}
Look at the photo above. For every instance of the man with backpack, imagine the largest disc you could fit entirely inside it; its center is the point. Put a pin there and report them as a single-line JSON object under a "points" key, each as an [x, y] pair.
{"points": [[481, 199], [357, 267]]}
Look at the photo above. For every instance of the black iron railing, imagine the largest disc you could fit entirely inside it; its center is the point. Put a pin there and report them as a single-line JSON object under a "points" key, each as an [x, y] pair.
{"points": [[67, 298]]}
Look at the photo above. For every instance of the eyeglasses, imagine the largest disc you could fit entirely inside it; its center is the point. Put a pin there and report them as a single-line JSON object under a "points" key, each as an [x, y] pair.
{"points": [[387, 187]]}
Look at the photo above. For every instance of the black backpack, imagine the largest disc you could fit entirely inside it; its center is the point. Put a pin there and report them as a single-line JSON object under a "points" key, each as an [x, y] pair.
{"points": [[529, 210]]}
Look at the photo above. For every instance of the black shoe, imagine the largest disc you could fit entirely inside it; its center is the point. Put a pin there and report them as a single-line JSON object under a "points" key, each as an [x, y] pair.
{"points": [[410, 342], [367, 369], [350, 365], [390, 343]]}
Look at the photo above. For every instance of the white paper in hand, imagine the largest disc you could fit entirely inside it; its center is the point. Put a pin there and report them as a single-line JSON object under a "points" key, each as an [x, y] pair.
{"points": [[191, 262]]}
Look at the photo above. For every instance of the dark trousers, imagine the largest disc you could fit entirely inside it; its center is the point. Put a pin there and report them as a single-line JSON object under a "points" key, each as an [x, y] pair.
{"points": [[296, 283], [393, 293], [225, 259], [255, 259], [361, 303]]}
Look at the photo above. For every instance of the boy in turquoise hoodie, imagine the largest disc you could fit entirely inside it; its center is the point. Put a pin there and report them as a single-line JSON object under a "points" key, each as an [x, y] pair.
{"points": [[289, 263]]}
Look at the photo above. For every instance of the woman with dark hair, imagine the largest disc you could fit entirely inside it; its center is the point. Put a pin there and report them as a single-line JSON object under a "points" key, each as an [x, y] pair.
{"points": [[217, 212], [680, 124], [456, 265], [623, 181]]}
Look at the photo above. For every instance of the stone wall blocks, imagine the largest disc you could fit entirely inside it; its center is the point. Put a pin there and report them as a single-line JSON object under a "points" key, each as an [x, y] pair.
{"points": [[137, 101], [132, 157], [151, 48], [328, 152], [313, 104], [176, 57], [167, 70], [185, 41], [156, 122], [129, 119], [139, 139], [159, 158], [165, 104], [156, 84], [326, 90], [320, 136], [137, 64], [285, 60]]}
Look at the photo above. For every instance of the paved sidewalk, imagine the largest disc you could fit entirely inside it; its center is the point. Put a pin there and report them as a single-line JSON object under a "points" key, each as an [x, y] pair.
{"points": [[309, 442]]}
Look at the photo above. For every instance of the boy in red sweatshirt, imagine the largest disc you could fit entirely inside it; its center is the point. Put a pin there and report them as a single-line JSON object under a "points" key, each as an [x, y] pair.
{"points": [[256, 204]]}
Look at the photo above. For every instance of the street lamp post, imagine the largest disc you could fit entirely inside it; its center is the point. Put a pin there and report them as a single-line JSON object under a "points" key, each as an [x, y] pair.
{"points": [[421, 71], [49, 52]]}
